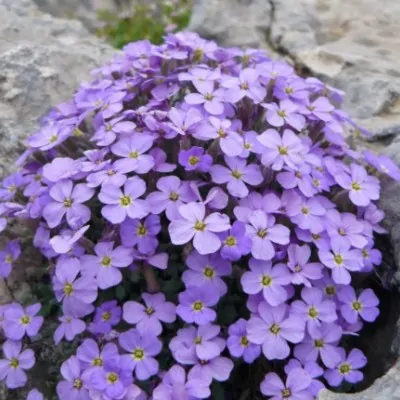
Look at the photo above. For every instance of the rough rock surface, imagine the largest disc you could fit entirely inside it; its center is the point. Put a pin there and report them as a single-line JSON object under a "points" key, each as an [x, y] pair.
{"points": [[42, 60], [355, 46]]}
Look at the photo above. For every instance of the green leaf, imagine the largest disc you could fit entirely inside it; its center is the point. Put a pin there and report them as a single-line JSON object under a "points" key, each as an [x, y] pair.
{"points": [[217, 391], [120, 293]]}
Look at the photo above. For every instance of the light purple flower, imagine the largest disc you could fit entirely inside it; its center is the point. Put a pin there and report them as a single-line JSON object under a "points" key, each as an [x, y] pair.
{"points": [[235, 242], [61, 168], [281, 150], [218, 368], [200, 76], [183, 122], [263, 232], [231, 142], [347, 368], [195, 306], [295, 387], [148, 317], [12, 368], [205, 272], [341, 259], [236, 176], [67, 200], [20, 321], [362, 187], [302, 270], [383, 164], [269, 280], [363, 306], [110, 174], [48, 137], [65, 242], [106, 317], [104, 266], [72, 387], [108, 131], [8, 256], [195, 159], [238, 343], [212, 99], [273, 329], [69, 328], [34, 394], [123, 203], [320, 109], [91, 356], [313, 308], [284, 113], [194, 224], [132, 152], [321, 342], [142, 348]]}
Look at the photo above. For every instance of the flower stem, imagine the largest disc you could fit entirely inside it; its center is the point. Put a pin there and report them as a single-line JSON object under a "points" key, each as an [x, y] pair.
{"points": [[151, 281]]}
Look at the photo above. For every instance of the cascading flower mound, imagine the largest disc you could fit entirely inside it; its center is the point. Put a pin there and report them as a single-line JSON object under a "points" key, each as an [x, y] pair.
{"points": [[199, 210]]}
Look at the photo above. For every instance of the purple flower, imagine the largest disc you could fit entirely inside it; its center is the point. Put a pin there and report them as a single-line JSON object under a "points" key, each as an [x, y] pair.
{"points": [[272, 329], [238, 343], [313, 369], [218, 368], [314, 309], [295, 387], [65, 242], [322, 341], [347, 368], [281, 150], [76, 293], [341, 259], [109, 103], [184, 122], [237, 175], [34, 394], [89, 354], [294, 89], [212, 99], [148, 318], [383, 164], [105, 265], [194, 224], [110, 174], [9, 186], [362, 187], [142, 348], [284, 113], [364, 305], [195, 159], [69, 328], [302, 270], [194, 306], [269, 280], [246, 84], [19, 321], [320, 109], [48, 137], [131, 151], [72, 387], [108, 131], [107, 316], [301, 178], [231, 142], [114, 379], [235, 242], [61, 168], [174, 386], [172, 194], [8, 256], [200, 76], [12, 368], [123, 203], [67, 200], [205, 272], [263, 232]]}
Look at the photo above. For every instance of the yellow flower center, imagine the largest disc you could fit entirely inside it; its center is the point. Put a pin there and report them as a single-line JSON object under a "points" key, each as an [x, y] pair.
{"points": [[134, 154], [199, 226], [237, 174], [221, 133], [282, 113], [266, 280], [315, 236], [338, 259], [208, 96], [97, 362], [12, 188], [319, 343], [141, 230], [174, 196], [288, 90], [355, 186], [283, 151], [78, 383], [110, 172], [193, 160], [345, 368], [297, 268], [286, 393], [357, 306], [198, 55], [53, 138], [330, 290], [305, 210], [230, 241], [365, 253], [247, 146], [138, 354], [25, 320], [112, 378], [244, 86], [14, 363], [316, 182], [262, 233], [149, 310], [106, 316], [68, 289], [244, 341], [125, 201], [106, 261], [275, 329], [209, 272], [198, 305], [341, 232], [198, 340], [68, 202], [312, 312], [8, 259]]}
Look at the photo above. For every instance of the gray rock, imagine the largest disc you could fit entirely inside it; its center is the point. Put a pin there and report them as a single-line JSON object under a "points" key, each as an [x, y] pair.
{"points": [[42, 61]]}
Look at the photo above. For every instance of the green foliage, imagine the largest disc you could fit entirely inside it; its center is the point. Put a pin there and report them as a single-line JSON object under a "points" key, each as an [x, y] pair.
{"points": [[145, 21]]}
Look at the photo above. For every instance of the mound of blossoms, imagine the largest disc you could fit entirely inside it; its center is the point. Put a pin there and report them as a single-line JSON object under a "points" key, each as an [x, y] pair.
{"points": [[199, 209]]}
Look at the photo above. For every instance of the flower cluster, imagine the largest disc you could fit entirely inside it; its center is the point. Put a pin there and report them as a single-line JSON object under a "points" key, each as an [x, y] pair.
{"points": [[187, 180]]}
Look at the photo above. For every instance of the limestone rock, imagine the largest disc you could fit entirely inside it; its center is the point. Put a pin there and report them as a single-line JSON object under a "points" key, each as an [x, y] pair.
{"points": [[42, 61]]}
